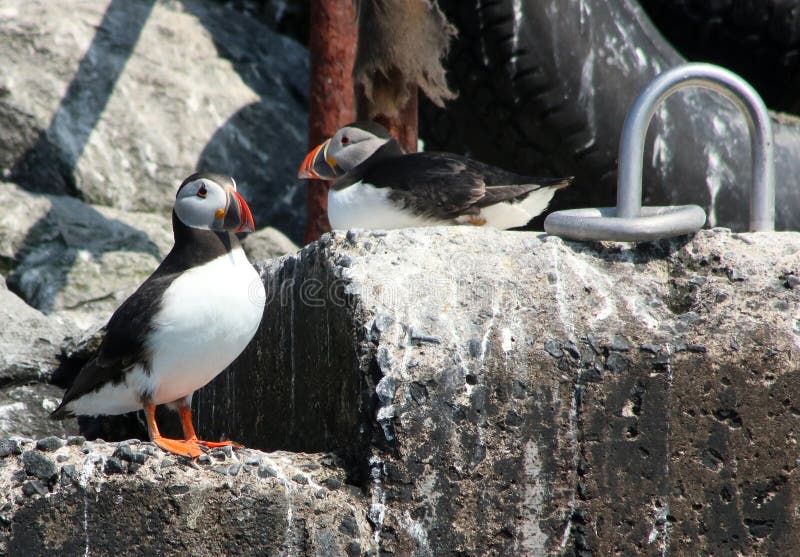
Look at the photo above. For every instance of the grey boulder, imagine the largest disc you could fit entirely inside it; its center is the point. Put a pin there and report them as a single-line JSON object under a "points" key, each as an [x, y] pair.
{"points": [[77, 259], [128, 98]]}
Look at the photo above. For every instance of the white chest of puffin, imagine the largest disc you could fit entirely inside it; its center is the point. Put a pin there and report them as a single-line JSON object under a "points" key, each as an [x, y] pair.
{"points": [[187, 322]]}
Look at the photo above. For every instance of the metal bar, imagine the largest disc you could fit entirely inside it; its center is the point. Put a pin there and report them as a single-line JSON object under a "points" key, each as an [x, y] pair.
{"points": [[332, 49], [631, 150]]}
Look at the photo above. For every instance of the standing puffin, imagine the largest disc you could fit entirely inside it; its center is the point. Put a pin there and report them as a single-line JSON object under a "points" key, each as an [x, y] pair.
{"points": [[187, 322], [377, 185]]}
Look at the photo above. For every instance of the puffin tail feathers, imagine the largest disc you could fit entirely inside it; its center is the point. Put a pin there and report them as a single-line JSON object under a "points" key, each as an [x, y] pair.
{"points": [[62, 412]]}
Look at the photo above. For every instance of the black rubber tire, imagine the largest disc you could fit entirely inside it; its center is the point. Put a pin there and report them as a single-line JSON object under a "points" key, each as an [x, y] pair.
{"points": [[758, 39], [552, 97]]}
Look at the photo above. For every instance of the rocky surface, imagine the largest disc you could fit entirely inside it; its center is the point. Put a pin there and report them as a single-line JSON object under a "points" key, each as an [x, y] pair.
{"points": [[129, 98], [77, 259], [31, 341], [512, 393], [70, 497]]}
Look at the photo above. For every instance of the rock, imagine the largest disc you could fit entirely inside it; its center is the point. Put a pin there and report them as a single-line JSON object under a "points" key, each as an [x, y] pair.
{"points": [[113, 465], [25, 410], [502, 446], [116, 115], [30, 342], [267, 243], [38, 465], [50, 444], [126, 453], [78, 259], [34, 487], [9, 447], [157, 509]]}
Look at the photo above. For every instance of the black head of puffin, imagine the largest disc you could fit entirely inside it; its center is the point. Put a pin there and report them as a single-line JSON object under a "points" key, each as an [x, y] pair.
{"points": [[209, 201], [349, 147]]}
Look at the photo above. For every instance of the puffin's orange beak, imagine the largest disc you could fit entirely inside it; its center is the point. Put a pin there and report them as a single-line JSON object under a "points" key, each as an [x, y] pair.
{"points": [[316, 164], [238, 217]]}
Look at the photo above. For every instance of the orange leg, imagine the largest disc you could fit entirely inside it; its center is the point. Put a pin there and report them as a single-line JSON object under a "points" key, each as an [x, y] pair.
{"points": [[180, 447], [476, 220], [189, 434]]}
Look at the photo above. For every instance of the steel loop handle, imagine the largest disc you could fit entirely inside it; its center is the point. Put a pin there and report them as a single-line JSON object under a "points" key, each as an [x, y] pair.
{"points": [[630, 221]]}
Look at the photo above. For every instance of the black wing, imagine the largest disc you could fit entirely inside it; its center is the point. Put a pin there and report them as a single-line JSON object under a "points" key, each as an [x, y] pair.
{"points": [[126, 333], [445, 185], [125, 342]]}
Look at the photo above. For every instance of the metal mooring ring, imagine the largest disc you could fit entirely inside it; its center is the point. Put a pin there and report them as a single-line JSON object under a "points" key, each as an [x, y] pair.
{"points": [[629, 221]]}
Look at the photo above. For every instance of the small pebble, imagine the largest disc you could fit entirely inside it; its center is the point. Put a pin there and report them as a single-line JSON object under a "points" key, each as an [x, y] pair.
{"points": [[147, 449], [204, 459], [234, 469], [735, 275], [62, 458], [652, 348], [619, 344], [218, 453], [266, 471], [113, 465], [34, 487], [9, 447], [36, 464], [332, 483], [616, 363], [572, 350], [188, 462], [300, 479], [792, 281], [69, 475], [421, 337], [125, 452], [220, 469], [592, 342], [553, 347], [178, 489], [253, 460]]}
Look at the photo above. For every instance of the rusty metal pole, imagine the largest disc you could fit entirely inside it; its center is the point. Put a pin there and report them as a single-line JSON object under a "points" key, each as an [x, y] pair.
{"points": [[332, 50], [403, 126]]}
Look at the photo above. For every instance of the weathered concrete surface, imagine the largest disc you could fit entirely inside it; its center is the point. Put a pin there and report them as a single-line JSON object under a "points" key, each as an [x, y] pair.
{"points": [[510, 393], [128, 98], [122, 499]]}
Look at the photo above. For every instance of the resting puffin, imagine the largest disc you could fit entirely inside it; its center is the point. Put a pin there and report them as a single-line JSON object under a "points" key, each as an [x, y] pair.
{"points": [[187, 322], [377, 185]]}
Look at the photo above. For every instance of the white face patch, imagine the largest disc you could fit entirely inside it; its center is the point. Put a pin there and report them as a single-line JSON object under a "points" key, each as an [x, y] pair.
{"points": [[351, 146], [198, 202]]}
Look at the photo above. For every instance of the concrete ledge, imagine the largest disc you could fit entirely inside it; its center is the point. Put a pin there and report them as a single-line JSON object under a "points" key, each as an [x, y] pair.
{"points": [[513, 393], [96, 498]]}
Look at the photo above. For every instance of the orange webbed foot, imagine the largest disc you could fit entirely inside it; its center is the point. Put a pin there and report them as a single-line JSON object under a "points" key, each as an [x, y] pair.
{"points": [[190, 449], [216, 444]]}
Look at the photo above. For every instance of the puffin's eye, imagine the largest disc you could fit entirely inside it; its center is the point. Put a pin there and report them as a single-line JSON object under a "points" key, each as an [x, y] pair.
{"points": [[202, 192], [345, 140]]}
